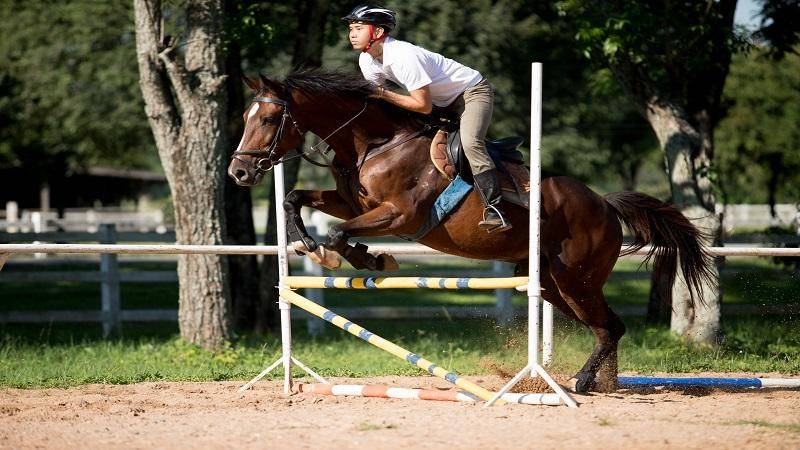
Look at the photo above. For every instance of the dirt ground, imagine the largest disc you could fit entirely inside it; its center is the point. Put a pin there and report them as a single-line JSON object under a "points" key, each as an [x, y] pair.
{"points": [[214, 415]]}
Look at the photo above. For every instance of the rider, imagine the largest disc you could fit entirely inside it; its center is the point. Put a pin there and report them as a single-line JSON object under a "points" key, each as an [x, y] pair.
{"points": [[431, 79]]}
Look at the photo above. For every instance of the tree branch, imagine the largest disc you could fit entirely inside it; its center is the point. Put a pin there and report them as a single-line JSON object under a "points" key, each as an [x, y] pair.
{"points": [[177, 75], [159, 103]]}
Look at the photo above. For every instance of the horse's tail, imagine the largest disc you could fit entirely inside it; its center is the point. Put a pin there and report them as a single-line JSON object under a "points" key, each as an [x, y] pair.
{"points": [[672, 236]]}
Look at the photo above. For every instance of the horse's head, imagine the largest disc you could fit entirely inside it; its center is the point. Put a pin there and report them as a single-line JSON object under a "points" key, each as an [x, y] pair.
{"points": [[269, 132]]}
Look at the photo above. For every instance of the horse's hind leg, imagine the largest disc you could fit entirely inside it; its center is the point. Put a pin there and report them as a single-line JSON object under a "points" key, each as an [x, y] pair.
{"points": [[589, 307], [600, 370]]}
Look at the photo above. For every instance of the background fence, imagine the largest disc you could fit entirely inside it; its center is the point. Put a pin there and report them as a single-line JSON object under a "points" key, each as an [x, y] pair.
{"points": [[736, 217], [111, 314]]}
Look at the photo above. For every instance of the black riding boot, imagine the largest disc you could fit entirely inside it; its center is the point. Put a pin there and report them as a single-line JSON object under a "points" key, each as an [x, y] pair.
{"points": [[489, 189]]}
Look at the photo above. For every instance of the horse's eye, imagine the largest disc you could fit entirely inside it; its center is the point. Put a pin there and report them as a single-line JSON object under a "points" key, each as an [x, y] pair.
{"points": [[267, 120]]}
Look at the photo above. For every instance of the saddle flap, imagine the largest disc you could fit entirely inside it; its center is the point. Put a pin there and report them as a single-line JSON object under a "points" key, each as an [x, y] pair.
{"points": [[440, 158], [447, 155]]}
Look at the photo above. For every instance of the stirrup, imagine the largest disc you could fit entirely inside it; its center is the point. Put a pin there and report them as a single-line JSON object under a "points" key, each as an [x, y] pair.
{"points": [[501, 227]]}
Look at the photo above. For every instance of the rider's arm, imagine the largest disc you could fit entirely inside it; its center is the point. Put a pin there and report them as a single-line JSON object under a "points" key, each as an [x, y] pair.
{"points": [[418, 100]]}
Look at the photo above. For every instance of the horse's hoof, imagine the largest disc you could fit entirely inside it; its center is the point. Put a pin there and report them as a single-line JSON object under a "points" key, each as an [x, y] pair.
{"points": [[570, 384], [583, 382], [327, 258], [387, 263], [300, 248], [323, 256]]}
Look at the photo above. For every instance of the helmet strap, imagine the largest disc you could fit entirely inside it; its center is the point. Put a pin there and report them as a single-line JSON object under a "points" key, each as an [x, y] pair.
{"points": [[373, 39]]}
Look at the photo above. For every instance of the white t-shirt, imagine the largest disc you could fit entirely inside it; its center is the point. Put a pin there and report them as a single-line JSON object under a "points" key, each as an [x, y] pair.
{"points": [[413, 67]]}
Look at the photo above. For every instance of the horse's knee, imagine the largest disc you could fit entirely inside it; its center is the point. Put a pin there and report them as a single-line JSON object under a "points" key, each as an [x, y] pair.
{"points": [[291, 201]]}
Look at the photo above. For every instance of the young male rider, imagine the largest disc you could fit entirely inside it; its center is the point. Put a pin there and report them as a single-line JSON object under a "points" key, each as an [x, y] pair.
{"points": [[431, 79]]}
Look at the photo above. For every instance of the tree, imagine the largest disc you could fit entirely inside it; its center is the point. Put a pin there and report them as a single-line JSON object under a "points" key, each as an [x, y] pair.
{"points": [[672, 59], [758, 141], [68, 94], [185, 101]]}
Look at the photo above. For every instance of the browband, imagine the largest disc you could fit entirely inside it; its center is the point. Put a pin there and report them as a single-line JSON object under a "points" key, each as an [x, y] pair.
{"points": [[277, 101]]}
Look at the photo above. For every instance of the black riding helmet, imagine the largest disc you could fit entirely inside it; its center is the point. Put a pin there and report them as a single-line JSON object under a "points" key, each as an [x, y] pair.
{"points": [[374, 15]]}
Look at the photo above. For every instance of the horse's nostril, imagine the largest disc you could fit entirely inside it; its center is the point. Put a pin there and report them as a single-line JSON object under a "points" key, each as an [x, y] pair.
{"points": [[241, 175]]}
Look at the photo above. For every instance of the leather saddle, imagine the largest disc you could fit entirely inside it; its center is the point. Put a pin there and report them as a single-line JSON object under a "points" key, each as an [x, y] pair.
{"points": [[448, 156]]}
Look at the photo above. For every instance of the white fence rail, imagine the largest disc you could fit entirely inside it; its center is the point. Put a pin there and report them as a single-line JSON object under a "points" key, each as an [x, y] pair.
{"points": [[12, 219], [111, 315], [110, 277]]}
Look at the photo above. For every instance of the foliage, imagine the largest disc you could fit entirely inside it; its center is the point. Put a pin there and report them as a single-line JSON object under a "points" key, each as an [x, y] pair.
{"points": [[70, 95], [780, 26], [674, 45], [758, 141]]}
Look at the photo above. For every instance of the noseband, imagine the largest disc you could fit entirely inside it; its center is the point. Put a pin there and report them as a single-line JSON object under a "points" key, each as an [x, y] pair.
{"points": [[265, 162]]}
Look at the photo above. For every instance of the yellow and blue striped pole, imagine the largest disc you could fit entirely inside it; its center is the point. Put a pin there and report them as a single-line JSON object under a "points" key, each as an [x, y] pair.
{"points": [[356, 330], [403, 282]]}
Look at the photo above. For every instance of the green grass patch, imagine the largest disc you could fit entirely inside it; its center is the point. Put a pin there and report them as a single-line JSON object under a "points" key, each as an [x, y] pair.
{"points": [[73, 356], [795, 427]]}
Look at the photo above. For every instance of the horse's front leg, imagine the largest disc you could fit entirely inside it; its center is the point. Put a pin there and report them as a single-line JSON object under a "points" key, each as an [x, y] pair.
{"points": [[384, 220], [329, 202]]}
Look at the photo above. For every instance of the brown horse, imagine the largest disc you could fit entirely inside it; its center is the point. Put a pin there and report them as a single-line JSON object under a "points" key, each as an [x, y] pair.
{"points": [[392, 194]]}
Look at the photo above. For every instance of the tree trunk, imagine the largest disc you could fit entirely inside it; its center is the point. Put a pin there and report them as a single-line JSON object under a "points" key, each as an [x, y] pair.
{"points": [[185, 102], [312, 16], [688, 167], [244, 274]]}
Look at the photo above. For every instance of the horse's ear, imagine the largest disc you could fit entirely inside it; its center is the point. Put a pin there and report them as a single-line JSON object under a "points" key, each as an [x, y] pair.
{"points": [[271, 85], [251, 83]]}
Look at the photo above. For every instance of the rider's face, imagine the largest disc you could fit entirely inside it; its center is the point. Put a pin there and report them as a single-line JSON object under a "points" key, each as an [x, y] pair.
{"points": [[359, 35]]}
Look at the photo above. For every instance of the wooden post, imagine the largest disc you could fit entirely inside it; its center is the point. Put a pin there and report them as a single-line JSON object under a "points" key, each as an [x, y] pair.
{"points": [[109, 287], [3, 259]]}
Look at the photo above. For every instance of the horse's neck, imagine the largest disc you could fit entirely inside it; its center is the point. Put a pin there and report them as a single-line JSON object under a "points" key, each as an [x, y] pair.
{"points": [[327, 118]]}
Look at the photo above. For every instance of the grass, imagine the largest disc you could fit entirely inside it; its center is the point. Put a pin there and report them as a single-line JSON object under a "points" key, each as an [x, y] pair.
{"points": [[795, 427], [33, 356], [67, 357]]}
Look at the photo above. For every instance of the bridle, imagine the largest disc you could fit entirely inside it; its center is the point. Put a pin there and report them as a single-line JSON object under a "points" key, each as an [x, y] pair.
{"points": [[265, 161]]}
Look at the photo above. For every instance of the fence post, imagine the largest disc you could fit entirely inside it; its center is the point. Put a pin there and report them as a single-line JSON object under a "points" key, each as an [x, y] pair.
{"points": [[38, 222], [12, 216], [504, 307], [109, 286]]}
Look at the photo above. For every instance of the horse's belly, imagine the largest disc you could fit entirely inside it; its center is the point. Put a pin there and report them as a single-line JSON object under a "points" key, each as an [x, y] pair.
{"points": [[459, 234]]}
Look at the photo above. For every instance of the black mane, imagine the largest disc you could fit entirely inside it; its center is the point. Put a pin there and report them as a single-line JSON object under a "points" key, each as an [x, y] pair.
{"points": [[318, 81], [329, 82]]}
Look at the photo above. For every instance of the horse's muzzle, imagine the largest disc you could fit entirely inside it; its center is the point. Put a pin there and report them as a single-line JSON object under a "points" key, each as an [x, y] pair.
{"points": [[243, 177]]}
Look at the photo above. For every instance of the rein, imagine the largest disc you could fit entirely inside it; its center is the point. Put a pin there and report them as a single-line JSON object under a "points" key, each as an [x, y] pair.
{"points": [[267, 153], [265, 162]]}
